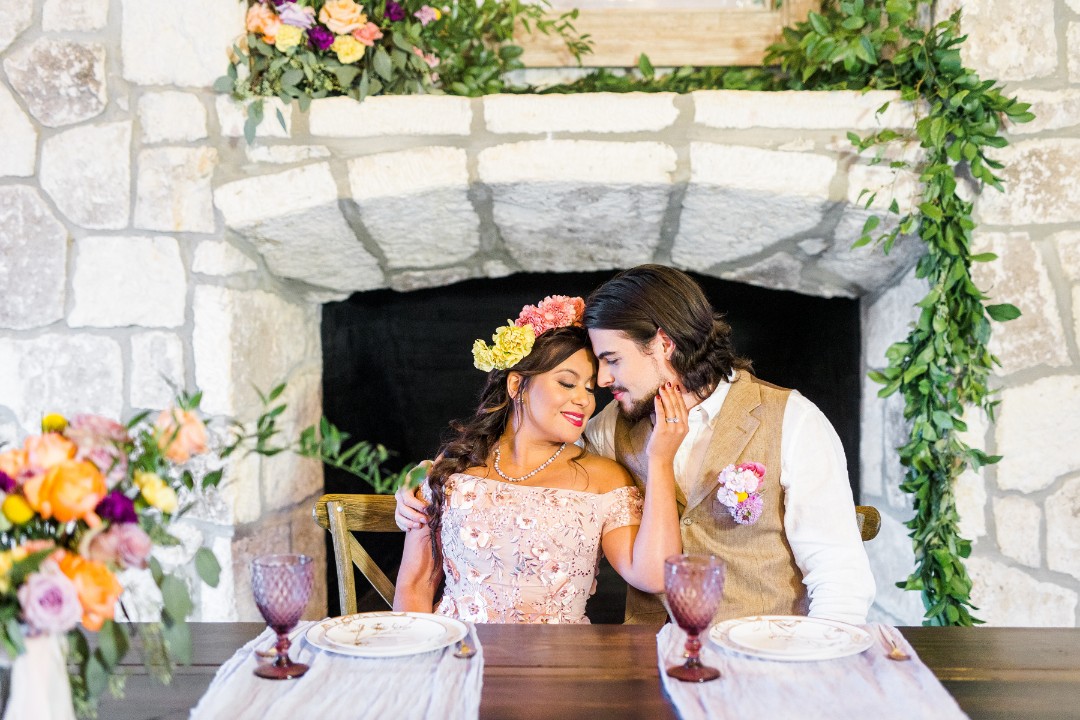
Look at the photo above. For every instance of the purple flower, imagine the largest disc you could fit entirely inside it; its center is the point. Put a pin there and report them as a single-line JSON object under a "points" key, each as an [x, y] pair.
{"points": [[748, 511], [49, 601], [7, 483], [320, 37], [297, 16], [117, 507], [426, 14], [394, 12]]}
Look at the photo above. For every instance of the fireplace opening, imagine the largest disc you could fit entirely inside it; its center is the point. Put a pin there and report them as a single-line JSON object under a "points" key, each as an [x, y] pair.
{"points": [[398, 367]]}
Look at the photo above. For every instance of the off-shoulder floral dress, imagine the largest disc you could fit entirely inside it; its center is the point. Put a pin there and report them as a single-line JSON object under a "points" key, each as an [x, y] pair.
{"points": [[524, 554]]}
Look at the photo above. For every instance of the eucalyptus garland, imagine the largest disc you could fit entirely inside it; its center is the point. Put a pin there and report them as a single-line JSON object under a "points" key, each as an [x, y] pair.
{"points": [[943, 365]]}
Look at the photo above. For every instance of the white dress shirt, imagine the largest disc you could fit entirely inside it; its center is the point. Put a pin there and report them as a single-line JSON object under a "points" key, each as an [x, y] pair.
{"points": [[819, 513]]}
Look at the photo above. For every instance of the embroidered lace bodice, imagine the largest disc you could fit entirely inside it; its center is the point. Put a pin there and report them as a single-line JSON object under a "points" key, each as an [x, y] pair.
{"points": [[525, 554]]}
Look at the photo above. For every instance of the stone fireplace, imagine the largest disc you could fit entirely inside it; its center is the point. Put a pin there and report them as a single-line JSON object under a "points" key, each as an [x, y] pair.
{"points": [[143, 242]]}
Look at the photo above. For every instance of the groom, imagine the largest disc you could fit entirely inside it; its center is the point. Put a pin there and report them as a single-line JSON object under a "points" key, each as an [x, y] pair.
{"points": [[798, 551]]}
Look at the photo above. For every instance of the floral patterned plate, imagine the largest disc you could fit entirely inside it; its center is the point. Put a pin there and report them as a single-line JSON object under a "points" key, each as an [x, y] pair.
{"points": [[790, 637], [385, 634]]}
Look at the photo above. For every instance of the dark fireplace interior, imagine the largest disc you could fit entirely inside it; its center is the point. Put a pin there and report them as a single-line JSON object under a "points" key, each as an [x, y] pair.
{"points": [[398, 368]]}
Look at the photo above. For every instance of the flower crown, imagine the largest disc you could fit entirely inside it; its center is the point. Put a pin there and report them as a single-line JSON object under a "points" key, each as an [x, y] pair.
{"points": [[513, 341]]}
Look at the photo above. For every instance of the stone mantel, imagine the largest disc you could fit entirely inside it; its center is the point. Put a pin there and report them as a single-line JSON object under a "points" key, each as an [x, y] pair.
{"points": [[413, 191]]}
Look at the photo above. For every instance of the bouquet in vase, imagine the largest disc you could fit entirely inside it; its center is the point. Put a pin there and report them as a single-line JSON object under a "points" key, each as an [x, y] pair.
{"points": [[80, 503]]}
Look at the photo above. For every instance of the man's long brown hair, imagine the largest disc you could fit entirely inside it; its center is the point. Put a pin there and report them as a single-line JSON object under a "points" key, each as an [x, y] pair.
{"points": [[647, 298]]}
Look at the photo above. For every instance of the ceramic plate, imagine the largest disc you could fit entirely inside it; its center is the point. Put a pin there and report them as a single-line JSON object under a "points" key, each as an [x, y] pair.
{"points": [[385, 634], [790, 637]]}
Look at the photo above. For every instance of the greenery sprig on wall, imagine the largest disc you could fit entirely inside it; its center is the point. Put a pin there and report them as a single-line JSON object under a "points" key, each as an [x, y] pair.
{"points": [[943, 365]]}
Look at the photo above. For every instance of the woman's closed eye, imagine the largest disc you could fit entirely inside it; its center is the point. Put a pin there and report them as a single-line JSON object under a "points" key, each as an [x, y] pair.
{"points": [[571, 386]]}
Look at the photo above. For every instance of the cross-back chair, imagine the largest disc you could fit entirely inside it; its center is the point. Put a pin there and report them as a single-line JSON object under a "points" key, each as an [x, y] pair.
{"points": [[343, 515]]}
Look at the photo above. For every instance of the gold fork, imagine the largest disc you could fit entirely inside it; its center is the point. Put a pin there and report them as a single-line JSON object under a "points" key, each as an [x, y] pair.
{"points": [[895, 653]]}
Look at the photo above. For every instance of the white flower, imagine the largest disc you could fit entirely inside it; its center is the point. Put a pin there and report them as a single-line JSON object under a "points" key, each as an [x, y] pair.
{"points": [[526, 523], [464, 495], [475, 535]]}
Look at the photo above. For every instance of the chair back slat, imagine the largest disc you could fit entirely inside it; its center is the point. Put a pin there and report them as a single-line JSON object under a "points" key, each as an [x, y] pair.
{"points": [[869, 520], [343, 515]]}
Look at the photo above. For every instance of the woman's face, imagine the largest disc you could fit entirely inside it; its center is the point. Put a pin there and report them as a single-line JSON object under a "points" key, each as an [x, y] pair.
{"points": [[559, 402]]}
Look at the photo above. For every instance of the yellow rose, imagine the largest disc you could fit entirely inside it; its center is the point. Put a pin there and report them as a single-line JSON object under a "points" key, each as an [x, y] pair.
{"points": [[342, 16], [482, 357], [348, 49], [512, 343], [17, 510], [156, 492], [288, 37]]}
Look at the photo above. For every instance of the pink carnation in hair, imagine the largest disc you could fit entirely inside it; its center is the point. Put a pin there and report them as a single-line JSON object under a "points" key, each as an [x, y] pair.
{"points": [[554, 311]]}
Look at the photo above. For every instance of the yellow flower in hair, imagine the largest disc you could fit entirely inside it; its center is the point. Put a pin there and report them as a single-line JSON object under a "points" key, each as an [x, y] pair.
{"points": [[482, 357], [512, 343]]}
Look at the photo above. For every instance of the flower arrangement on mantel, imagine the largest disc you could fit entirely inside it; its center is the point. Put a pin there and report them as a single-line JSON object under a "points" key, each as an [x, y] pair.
{"points": [[90, 498], [305, 49]]}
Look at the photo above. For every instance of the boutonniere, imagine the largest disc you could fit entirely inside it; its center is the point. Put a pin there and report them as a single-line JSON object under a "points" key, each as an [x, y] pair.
{"points": [[741, 487]]}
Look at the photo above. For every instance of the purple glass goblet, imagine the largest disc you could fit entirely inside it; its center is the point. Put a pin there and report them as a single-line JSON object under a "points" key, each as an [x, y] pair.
{"points": [[282, 587], [693, 585]]}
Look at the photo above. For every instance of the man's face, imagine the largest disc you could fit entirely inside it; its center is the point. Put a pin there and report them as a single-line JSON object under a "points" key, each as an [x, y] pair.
{"points": [[633, 374]]}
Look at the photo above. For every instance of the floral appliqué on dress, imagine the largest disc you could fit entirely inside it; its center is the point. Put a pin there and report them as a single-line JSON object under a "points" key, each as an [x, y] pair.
{"points": [[524, 554]]}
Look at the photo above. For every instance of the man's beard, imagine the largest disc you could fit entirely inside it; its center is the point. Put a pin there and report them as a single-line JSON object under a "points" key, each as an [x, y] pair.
{"points": [[641, 409]]}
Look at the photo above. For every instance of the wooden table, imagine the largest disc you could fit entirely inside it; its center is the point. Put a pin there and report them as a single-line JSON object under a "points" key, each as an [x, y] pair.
{"points": [[609, 671]]}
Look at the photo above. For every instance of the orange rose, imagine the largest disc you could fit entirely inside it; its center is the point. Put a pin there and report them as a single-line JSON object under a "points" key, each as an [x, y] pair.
{"points": [[342, 16], [261, 19], [97, 587], [68, 491], [13, 463], [180, 434], [44, 451]]}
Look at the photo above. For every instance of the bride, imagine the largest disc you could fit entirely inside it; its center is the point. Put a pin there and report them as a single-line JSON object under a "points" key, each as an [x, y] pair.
{"points": [[518, 514]]}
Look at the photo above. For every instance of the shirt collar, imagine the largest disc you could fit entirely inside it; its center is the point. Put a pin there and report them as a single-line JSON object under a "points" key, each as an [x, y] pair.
{"points": [[711, 405]]}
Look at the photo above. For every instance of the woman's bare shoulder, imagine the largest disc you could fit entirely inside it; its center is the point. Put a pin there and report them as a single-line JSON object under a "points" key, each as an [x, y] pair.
{"points": [[604, 473]]}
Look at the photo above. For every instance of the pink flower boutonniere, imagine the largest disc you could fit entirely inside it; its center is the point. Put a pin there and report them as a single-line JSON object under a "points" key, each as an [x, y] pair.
{"points": [[741, 489]]}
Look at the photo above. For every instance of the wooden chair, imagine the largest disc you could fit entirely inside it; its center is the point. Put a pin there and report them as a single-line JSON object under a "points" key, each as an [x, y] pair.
{"points": [[869, 521], [343, 515]]}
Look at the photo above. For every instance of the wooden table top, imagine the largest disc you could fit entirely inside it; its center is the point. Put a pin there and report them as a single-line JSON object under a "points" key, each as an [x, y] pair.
{"points": [[610, 671]]}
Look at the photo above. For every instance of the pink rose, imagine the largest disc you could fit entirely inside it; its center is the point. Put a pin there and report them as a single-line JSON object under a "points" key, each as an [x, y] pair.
{"points": [[103, 548], [45, 451], [368, 34], [132, 545], [125, 544], [50, 601], [180, 434]]}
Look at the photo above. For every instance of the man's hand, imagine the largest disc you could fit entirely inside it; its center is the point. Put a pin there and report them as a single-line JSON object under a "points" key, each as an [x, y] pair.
{"points": [[409, 514]]}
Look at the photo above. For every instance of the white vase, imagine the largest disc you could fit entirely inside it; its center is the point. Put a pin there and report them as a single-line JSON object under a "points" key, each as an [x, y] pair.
{"points": [[38, 686]]}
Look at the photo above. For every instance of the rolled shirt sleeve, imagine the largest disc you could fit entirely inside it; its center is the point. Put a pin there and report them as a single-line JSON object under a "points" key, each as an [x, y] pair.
{"points": [[819, 516]]}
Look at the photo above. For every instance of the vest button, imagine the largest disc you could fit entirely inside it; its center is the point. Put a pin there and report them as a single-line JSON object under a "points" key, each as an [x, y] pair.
{"points": [[687, 521]]}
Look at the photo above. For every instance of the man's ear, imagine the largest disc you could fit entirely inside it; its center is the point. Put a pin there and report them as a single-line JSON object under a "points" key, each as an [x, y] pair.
{"points": [[665, 343]]}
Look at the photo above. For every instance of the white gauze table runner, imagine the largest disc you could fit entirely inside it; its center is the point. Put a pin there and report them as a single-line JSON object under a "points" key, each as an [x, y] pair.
{"points": [[429, 685], [867, 686]]}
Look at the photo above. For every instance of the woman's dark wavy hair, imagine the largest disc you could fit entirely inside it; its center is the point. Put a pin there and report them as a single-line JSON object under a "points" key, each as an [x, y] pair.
{"points": [[641, 300], [472, 441]]}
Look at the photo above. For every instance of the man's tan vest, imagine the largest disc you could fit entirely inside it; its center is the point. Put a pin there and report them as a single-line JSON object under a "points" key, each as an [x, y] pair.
{"points": [[761, 575]]}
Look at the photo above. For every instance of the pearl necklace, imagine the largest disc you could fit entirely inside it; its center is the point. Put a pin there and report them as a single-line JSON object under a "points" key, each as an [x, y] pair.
{"points": [[526, 476]]}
